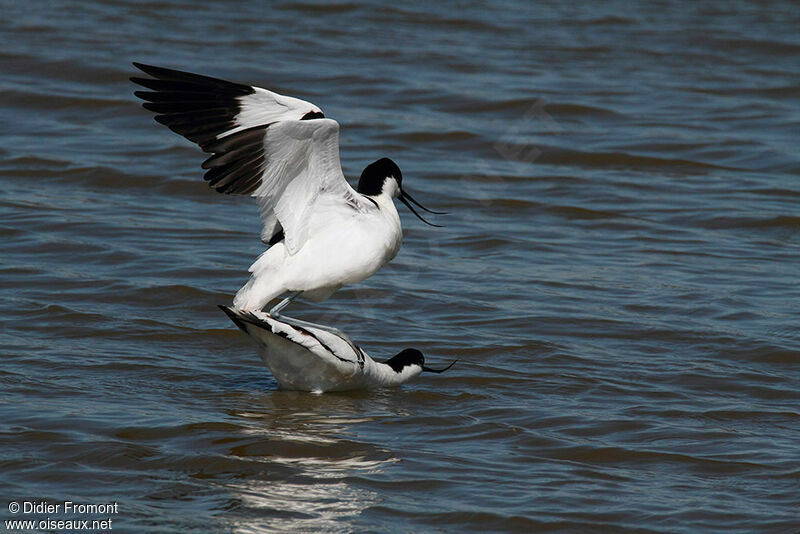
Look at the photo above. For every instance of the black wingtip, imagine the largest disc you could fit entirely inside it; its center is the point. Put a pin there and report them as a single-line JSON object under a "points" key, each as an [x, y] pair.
{"points": [[179, 79], [152, 70]]}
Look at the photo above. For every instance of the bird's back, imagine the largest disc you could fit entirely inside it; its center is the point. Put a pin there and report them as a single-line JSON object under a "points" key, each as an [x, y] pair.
{"points": [[307, 360]]}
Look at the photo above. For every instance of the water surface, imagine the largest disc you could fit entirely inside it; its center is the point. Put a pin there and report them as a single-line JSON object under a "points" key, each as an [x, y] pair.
{"points": [[617, 278]]}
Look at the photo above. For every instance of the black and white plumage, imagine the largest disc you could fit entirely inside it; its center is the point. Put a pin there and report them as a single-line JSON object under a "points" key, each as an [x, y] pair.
{"points": [[315, 360], [321, 233]]}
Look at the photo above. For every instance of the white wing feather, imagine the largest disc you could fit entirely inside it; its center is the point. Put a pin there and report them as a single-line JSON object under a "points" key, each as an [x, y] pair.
{"points": [[276, 148], [302, 164], [265, 107]]}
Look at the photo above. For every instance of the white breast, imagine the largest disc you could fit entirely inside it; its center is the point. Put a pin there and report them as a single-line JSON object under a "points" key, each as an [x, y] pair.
{"points": [[344, 250]]}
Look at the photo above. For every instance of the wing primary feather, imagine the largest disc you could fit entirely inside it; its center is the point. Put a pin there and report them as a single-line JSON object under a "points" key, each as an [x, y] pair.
{"points": [[246, 156], [179, 96], [213, 114], [236, 181], [237, 162], [171, 85], [172, 75], [229, 121], [200, 108], [221, 176], [201, 134], [231, 179], [196, 106], [223, 158], [241, 138], [186, 128]]}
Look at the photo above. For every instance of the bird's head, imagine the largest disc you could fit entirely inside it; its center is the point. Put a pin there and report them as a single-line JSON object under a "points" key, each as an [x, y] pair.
{"points": [[412, 361], [383, 177]]}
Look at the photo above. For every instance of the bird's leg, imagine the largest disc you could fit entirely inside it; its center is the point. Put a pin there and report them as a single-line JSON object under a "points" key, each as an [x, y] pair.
{"points": [[275, 312]]}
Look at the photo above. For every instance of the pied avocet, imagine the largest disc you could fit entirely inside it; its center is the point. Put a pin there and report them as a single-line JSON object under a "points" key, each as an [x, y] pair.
{"points": [[317, 360], [320, 232]]}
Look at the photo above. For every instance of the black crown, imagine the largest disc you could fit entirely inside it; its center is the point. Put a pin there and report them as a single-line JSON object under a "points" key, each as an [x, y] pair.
{"points": [[373, 176]]}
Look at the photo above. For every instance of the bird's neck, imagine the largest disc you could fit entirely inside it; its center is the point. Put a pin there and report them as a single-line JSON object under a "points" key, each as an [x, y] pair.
{"points": [[384, 200], [385, 375]]}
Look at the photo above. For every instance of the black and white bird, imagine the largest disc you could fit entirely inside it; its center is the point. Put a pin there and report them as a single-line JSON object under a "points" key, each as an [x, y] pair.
{"points": [[321, 233], [316, 360]]}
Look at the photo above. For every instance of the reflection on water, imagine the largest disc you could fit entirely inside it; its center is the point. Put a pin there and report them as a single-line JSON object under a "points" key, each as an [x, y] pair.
{"points": [[309, 506], [617, 276], [314, 439]]}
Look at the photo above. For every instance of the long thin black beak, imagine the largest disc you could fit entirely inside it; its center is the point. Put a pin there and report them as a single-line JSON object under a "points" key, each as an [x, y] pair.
{"points": [[428, 369], [417, 204], [404, 197]]}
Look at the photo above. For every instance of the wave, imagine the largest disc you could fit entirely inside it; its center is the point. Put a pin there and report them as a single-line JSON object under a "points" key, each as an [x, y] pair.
{"points": [[553, 155], [791, 222]]}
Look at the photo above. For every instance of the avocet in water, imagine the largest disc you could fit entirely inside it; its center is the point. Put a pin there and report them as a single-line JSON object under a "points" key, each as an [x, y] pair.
{"points": [[321, 233], [317, 360]]}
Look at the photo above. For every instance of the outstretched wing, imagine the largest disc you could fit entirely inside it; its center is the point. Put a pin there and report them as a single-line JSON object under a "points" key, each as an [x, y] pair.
{"points": [[276, 148]]}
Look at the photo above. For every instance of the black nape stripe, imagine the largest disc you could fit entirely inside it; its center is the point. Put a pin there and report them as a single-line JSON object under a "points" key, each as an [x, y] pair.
{"points": [[312, 115]]}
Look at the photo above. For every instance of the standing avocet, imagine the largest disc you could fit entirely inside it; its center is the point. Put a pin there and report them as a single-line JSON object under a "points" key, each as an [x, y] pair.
{"points": [[316, 360], [321, 233]]}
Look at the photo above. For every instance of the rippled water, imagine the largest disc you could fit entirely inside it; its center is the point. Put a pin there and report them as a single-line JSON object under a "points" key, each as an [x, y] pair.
{"points": [[618, 277]]}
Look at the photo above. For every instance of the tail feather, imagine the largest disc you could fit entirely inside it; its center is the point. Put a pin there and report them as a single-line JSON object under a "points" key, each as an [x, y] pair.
{"points": [[242, 298], [266, 281], [256, 294]]}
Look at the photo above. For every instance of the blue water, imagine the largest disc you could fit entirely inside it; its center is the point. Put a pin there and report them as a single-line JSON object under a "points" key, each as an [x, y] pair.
{"points": [[617, 277]]}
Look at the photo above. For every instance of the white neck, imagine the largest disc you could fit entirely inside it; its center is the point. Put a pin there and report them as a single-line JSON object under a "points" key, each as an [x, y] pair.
{"points": [[382, 374], [390, 188]]}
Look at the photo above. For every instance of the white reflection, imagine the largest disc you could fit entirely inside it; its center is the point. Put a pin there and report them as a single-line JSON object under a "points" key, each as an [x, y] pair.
{"points": [[310, 455], [288, 507]]}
